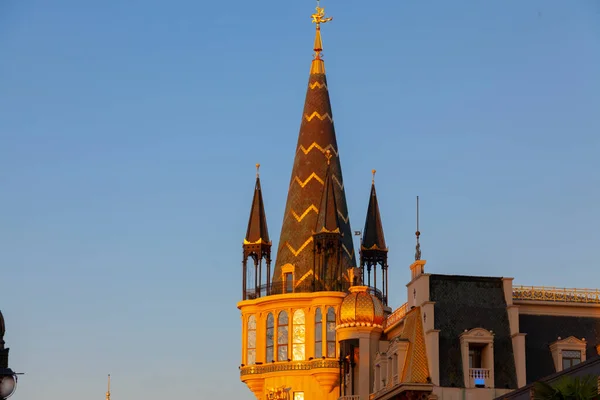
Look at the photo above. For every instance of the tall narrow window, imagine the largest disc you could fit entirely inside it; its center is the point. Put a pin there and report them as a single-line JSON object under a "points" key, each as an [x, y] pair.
{"points": [[331, 333], [282, 336], [251, 343], [298, 335], [270, 337], [474, 357], [289, 282], [318, 333]]}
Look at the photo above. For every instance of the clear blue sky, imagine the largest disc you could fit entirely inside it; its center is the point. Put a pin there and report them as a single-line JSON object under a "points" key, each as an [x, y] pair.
{"points": [[130, 129]]}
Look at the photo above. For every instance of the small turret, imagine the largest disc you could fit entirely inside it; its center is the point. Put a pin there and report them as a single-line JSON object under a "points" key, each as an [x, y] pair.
{"points": [[373, 250], [257, 246]]}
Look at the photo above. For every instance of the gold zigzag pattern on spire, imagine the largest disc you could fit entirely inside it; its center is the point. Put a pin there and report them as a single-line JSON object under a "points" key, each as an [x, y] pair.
{"points": [[313, 175], [315, 145], [341, 185], [310, 208], [342, 216], [346, 250], [321, 117], [296, 252], [306, 275], [318, 85]]}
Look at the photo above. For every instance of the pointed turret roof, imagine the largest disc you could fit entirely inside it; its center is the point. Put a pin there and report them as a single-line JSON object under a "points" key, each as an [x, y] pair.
{"points": [[257, 223], [317, 135], [373, 238], [328, 220]]}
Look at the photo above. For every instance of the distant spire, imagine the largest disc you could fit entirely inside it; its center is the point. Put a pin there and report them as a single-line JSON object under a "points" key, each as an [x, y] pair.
{"points": [[108, 391], [417, 234], [257, 223], [318, 18]]}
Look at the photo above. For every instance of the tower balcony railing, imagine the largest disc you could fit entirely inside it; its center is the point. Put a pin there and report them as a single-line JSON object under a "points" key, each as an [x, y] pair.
{"points": [[309, 286]]}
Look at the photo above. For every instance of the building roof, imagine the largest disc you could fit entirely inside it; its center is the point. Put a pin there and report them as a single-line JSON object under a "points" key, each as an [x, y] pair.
{"points": [[257, 231], [467, 302], [542, 330], [316, 136], [416, 368], [373, 238], [590, 366]]}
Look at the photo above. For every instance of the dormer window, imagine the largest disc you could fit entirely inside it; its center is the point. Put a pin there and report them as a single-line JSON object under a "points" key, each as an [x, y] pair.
{"points": [[568, 352], [477, 349]]}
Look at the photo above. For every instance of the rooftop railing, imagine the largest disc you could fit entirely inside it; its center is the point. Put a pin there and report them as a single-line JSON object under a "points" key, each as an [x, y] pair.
{"points": [[396, 316], [564, 295]]}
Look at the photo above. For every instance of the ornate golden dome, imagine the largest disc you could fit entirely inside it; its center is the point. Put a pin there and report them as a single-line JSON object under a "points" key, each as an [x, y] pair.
{"points": [[360, 308]]}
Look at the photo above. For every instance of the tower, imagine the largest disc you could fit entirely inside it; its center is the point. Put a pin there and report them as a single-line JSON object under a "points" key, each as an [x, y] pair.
{"points": [[256, 247], [373, 251], [307, 183]]}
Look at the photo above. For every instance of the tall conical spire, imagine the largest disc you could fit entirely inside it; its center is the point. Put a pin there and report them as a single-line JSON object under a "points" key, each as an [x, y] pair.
{"points": [[317, 135], [257, 231], [108, 390], [373, 238], [257, 246]]}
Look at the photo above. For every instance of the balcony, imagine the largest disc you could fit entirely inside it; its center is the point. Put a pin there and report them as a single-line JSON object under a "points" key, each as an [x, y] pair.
{"points": [[258, 369], [478, 376]]}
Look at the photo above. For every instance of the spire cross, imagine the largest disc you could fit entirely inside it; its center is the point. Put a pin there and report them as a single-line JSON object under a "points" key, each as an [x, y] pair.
{"points": [[328, 156], [257, 168], [373, 180]]}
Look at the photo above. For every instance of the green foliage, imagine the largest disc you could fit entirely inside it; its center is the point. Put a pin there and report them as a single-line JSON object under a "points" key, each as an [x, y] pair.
{"points": [[568, 388]]}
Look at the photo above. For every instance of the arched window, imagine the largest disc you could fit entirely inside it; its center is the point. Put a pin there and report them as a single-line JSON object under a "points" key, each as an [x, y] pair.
{"points": [[331, 332], [251, 343], [282, 336], [318, 333], [270, 336], [298, 336]]}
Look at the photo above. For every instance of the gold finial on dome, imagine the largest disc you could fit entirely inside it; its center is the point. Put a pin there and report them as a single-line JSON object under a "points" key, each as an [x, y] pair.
{"points": [[108, 391], [257, 168], [318, 18], [373, 180]]}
